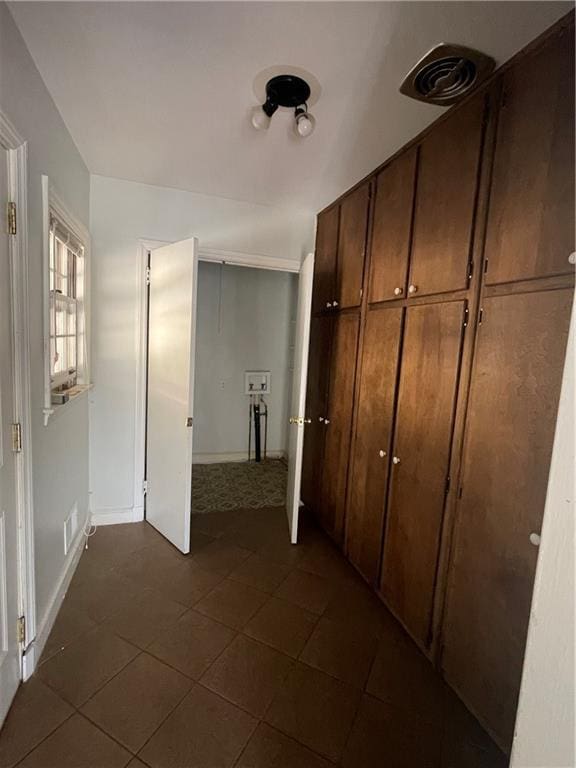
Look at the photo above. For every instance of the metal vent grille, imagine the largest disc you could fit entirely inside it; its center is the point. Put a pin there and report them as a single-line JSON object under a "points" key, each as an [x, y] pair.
{"points": [[446, 74]]}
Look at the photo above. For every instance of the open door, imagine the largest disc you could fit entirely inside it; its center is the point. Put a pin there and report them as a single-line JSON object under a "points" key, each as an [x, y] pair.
{"points": [[298, 403], [171, 342]]}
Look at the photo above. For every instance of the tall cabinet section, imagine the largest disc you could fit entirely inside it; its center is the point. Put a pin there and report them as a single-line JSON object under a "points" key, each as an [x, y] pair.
{"points": [[444, 286]]}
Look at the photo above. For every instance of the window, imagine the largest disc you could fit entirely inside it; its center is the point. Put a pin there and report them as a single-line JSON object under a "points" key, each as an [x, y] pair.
{"points": [[66, 255], [66, 310]]}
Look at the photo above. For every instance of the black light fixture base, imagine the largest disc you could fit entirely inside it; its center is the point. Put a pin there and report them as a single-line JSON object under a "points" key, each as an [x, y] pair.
{"points": [[286, 91]]}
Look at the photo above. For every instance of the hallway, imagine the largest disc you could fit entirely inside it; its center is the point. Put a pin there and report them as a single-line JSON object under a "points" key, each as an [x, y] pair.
{"points": [[250, 652]]}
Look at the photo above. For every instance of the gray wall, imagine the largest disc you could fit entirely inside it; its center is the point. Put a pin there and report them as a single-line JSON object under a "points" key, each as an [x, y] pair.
{"points": [[248, 328], [60, 450]]}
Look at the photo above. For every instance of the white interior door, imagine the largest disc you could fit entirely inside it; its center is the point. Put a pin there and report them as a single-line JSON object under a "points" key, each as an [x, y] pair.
{"points": [[9, 598], [298, 404], [171, 342]]}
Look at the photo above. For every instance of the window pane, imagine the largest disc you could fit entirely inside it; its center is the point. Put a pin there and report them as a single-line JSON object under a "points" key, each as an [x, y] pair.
{"points": [[71, 352], [60, 364]]}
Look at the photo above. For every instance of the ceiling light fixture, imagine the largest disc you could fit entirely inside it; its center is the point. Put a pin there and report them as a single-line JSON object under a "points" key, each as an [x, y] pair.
{"points": [[288, 91]]}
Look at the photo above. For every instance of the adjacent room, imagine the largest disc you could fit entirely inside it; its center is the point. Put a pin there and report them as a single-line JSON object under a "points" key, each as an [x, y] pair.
{"points": [[287, 387]]}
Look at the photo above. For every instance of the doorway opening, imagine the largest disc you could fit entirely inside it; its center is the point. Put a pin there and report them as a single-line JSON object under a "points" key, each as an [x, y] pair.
{"points": [[222, 381], [244, 361]]}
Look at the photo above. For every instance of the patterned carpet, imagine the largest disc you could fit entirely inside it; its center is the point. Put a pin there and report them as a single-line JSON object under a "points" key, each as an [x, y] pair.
{"points": [[238, 485]]}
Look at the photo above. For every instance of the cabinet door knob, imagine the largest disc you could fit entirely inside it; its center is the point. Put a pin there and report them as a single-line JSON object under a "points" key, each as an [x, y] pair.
{"points": [[328, 304], [381, 454], [307, 421], [395, 460], [320, 418], [398, 291], [326, 421], [412, 288], [334, 303], [535, 539]]}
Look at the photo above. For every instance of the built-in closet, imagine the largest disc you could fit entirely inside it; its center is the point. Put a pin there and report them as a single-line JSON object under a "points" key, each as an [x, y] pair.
{"points": [[443, 290]]}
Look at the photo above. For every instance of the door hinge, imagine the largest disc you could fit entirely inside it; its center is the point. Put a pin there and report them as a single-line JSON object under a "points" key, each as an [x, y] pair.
{"points": [[11, 218], [189, 421], [466, 313], [480, 316], [447, 487], [147, 275], [144, 486], [17, 437], [21, 629], [485, 266], [470, 269]]}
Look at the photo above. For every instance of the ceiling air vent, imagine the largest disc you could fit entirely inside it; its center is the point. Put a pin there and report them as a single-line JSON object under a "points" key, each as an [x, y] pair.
{"points": [[446, 74]]}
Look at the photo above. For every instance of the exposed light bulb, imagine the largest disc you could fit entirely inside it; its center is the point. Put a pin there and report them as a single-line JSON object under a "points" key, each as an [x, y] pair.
{"points": [[304, 123], [259, 119]]}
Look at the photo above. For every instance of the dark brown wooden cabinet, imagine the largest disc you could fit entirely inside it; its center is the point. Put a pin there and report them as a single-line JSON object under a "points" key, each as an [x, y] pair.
{"points": [[338, 424], [316, 407], [421, 457], [531, 221], [352, 247], [509, 434], [448, 169], [371, 450], [325, 259], [391, 229]]}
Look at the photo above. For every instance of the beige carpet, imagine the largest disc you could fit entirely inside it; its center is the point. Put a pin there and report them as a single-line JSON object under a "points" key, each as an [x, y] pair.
{"points": [[238, 485]]}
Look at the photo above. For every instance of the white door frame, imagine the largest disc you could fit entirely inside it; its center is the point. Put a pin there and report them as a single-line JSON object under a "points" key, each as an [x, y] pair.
{"points": [[256, 261], [17, 150]]}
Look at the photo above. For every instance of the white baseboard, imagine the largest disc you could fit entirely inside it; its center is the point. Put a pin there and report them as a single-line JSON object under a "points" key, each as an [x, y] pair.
{"points": [[34, 650], [223, 458], [117, 516]]}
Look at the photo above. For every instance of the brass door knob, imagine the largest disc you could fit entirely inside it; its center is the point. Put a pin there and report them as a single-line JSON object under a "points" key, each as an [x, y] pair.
{"points": [[395, 460], [412, 288], [398, 291], [381, 454], [326, 421], [334, 303], [328, 304]]}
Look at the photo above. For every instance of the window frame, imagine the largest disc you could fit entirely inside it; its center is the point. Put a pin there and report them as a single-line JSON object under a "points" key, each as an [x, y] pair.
{"points": [[60, 225]]}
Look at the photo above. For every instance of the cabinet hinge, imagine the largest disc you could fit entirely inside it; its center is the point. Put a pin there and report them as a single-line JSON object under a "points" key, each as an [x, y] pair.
{"points": [[447, 486], [466, 313], [21, 629], [17, 437], [470, 269], [11, 218], [144, 486], [147, 275], [485, 266], [480, 316]]}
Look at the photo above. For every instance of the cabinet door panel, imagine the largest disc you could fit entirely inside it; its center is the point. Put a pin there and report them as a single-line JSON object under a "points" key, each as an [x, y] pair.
{"points": [[392, 227], [423, 434], [337, 440], [531, 219], [325, 259], [445, 200], [509, 434], [352, 247], [369, 471], [316, 407]]}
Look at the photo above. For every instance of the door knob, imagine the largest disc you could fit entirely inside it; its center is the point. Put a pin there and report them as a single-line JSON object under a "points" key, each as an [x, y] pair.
{"points": [[307, 421], [382, 454], [326, 421], [395, 460], [535, 539], [328, 304], [412, 288], [320, 418], [334, 303], [292, 420], [398, 291]]}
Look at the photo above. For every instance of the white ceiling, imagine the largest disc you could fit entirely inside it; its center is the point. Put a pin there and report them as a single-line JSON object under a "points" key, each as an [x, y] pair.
{"points": [[160, 92]]}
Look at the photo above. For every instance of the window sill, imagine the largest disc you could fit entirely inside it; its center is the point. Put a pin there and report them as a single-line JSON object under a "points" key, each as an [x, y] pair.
{"points": [[77, 393]]}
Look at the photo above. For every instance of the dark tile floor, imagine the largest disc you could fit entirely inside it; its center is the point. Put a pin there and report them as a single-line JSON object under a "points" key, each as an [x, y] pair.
{"points": [[249, 652]]}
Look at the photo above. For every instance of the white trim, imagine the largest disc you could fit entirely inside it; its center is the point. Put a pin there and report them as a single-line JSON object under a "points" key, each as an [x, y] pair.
{"points": [[34, 652], [253, 260], [17, 149], [224, 458], [51, 201], [256, 261], [116, 516]]}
